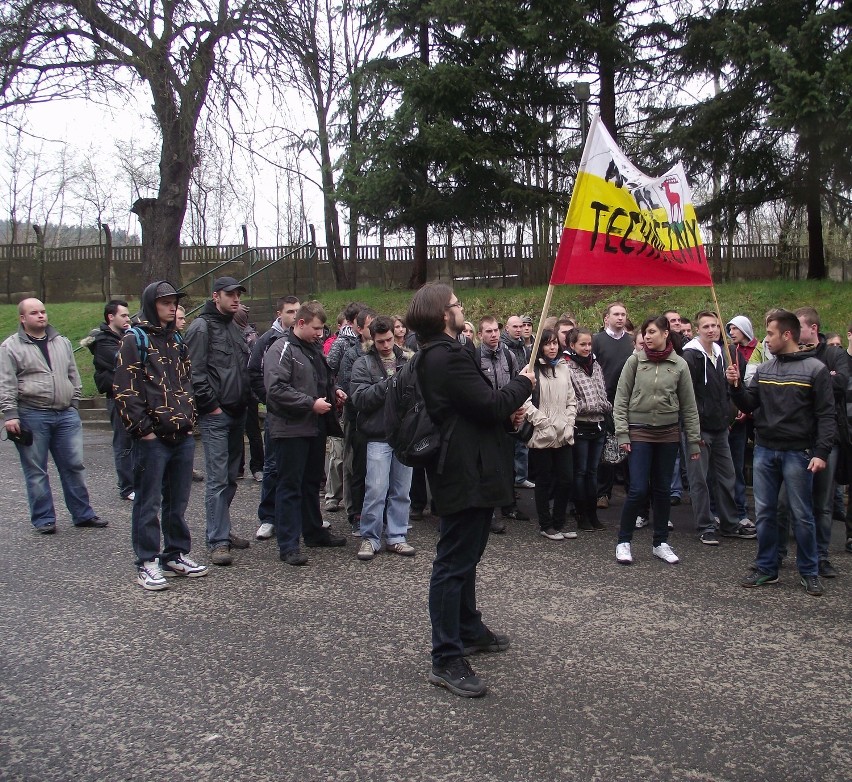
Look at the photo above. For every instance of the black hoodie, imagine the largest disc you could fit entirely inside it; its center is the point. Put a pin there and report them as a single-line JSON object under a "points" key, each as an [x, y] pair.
{"points": [[157, 396]]}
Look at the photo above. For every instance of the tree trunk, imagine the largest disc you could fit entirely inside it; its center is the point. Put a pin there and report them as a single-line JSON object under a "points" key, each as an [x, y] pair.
{"points": [[421, 253], [813, 203], [107, 262], [607, 68]]}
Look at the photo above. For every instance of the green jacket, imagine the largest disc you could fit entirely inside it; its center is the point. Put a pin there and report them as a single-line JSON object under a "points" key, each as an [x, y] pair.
{"points": [[657, 395]]}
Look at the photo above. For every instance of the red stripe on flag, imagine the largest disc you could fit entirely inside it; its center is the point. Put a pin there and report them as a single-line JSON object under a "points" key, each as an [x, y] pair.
{"points": [[588, 259]]}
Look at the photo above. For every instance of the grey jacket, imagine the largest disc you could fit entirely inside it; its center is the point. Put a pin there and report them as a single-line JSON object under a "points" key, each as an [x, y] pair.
{"points": [[27, 381], [369, 387], [296, 374]]}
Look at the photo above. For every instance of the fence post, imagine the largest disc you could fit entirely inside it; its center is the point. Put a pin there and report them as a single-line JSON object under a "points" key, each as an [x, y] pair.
{"points": [[106, 268], [39, 258]]}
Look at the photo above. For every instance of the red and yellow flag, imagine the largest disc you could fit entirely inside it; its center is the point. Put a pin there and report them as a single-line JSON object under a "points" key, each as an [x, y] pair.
{"points": [[626, 228]]}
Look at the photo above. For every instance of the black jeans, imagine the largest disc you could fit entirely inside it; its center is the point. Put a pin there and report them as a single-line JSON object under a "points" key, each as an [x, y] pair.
{"points": [[651, 465], [255, 439], [452, 588], [354, 468], [554, 474]]}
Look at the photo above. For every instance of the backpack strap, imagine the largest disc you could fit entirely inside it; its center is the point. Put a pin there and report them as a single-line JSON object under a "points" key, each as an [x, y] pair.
{"points": [[142, 343]]}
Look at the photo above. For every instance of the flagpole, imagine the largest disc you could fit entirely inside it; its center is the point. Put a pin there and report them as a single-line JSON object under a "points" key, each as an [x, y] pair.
{"points": [[544, 310], [726, 357]]}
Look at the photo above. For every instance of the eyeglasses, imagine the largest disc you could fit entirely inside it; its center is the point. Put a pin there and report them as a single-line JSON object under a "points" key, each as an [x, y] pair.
{"points": [[456, 304]]}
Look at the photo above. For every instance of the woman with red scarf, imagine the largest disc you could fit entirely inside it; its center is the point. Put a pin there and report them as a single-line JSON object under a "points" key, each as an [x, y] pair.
{"points": [[654, 392]]}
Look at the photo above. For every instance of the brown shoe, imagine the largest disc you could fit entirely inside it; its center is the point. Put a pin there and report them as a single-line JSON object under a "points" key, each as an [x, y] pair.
{"points": [[603, 503], [221, 555]]}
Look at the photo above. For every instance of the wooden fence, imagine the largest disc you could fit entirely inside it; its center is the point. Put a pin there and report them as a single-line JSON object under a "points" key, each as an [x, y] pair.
{"points": [[92, 274]]}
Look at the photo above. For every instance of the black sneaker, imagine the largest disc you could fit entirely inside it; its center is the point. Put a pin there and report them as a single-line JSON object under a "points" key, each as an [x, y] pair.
{"points": [[516, 514], [329, 541], [294, 557], [709, 538], [416, 514], [812, 585], [498, 527], [46, 529], [827, 570], [458, 677], [490, 642], [757, 578], [95, 521], [740, 531]]}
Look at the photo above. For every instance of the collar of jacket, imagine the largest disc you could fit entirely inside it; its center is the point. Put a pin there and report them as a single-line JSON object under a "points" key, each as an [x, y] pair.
{"points": [[50, 332], [212, 311]]}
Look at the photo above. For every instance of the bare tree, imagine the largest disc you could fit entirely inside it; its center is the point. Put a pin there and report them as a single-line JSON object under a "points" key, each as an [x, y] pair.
{"points": [[51, 50]]}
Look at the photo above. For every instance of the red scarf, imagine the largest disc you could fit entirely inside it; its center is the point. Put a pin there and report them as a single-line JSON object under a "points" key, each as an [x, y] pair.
{"points": [[656, 356]]}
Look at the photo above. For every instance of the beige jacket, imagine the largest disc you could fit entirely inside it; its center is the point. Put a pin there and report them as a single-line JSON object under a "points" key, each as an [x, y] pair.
{"points": [[26, 379], [553, 419]]}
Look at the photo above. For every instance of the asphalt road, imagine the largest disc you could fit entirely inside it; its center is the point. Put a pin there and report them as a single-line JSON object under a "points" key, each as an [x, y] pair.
{"points": [[263, 671]]}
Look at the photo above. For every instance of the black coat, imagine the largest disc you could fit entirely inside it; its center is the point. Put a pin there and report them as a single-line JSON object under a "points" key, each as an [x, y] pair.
{"points": [[478, 470]]}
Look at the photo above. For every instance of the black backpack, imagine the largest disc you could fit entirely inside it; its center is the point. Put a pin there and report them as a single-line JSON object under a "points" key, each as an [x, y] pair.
{"points": [[417, 441]]}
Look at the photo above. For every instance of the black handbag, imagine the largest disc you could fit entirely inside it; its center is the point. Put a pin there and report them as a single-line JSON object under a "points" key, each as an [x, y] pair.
{"points": [[588, 430], [524, 432]]}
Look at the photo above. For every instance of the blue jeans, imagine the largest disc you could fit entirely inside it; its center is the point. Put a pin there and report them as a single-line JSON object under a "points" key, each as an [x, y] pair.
{"points": [[771, 468], [738, 439], [266, 507], [521, 462], [297, 510], [222, 437], [60, 433], [462, 539], [387, 488], [122, 445], [587, 457], [650, 464], [162, 480]]}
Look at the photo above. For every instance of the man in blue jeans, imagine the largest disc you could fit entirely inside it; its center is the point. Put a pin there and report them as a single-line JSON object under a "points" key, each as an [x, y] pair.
{"points": [[388, 481], [793, 405], [39, 393], [220, 380], [152, 388]]}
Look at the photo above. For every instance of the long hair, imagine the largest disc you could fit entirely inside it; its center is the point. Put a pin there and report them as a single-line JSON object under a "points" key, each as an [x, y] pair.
{"points": [[425, 316], [541, 361]]}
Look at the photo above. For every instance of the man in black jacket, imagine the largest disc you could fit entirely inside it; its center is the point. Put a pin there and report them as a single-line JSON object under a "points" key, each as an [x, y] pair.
{"points": [[388, 481], [104, 342], [153, 394], [300, 402], [791, 398], [220, 379], [470, 484], [703, 355]]}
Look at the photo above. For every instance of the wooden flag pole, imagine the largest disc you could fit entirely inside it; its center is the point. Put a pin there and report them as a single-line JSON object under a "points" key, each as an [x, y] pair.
{"points": [[726, 353], [544, 310]]}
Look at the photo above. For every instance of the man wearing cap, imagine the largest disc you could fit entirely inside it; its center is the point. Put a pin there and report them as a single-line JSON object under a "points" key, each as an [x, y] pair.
{"points": [[220, 380], [152, 388]]}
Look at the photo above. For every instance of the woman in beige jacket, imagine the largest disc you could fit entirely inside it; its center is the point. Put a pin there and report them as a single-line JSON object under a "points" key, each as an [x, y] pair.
{"points": [[552, 410]]}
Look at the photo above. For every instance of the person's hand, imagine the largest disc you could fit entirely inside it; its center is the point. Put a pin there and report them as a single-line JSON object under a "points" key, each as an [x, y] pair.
{"points": [[149, 436], [694, 457], [732, 374], [217, 411], [517, 418], [341, 396], [13, 426], [741, 416], [321, 406], [528, 375], [625, 447], [816, 465]]}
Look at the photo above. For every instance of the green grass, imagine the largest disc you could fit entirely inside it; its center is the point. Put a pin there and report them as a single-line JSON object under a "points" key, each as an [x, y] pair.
{"points": [[832, 299]]}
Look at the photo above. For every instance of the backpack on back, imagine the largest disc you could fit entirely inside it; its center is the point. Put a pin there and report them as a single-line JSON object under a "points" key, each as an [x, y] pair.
{"points": [[417, 441], [143, 342]]}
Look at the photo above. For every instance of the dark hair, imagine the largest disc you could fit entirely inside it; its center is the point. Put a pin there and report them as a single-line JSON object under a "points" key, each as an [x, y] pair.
{"points": [[310, 310], [381, 324], [563, 321], [112, 307], [279, 305], [660, 321], [575, 333], [486, 319], [786, 320], [831, 335], [686, 320], [363, 314], [547, 335], [352, 310], [809, 314], [425, 316]]}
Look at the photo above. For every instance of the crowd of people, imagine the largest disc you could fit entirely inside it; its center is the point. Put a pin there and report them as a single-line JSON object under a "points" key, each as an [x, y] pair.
{"points": [[666, 406]]}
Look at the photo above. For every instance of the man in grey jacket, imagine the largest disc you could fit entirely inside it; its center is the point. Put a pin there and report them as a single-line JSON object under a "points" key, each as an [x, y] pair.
{"points": [[39, 394], [300, 400]]}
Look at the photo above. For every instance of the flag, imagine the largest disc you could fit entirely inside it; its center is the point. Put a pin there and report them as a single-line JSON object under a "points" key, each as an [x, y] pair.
{"points": [[626, 228]]}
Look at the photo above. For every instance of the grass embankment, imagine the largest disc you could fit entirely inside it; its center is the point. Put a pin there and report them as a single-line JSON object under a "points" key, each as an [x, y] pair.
{"points": [[833, 300]]}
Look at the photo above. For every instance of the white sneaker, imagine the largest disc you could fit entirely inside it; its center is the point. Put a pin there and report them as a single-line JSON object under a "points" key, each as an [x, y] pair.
{"points": [[641, 521], [671, 526], [183, 566], [130, 497], [150, 576], [569, 534], [403, 549], [623, 555], [258, 476], [552, 534], [265, 531], [665, 553], [525, 485], [366, 551], [326, 524]]}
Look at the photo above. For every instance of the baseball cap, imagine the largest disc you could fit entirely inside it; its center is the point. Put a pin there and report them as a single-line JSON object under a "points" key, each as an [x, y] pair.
{"points": [[167, 289], [527, 320], [227, 284]]}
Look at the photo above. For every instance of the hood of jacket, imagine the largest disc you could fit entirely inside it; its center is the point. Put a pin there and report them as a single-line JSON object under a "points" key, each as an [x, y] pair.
{"points": [[743, 324], [148, 306], [695, 344]]}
